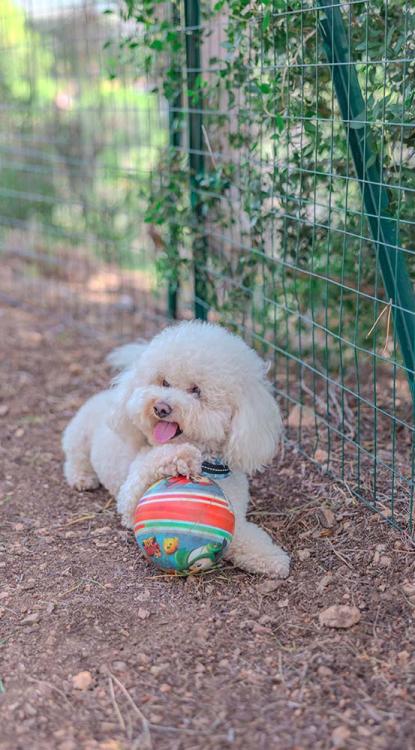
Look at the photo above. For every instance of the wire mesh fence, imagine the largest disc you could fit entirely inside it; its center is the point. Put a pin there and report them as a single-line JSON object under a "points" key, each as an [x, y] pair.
{"points": [[261, 156], [77, 147]]}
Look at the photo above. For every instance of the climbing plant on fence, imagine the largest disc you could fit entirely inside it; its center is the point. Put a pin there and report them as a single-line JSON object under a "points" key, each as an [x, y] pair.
{"points": [[287, 189]]}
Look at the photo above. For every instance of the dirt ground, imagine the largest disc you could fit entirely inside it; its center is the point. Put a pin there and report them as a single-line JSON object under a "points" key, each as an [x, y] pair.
{"points": [[225, 660]]}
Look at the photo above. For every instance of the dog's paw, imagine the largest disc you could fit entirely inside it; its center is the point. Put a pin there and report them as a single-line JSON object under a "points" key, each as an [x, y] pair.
{"points": [[185, 461], [86, 483], [279, 566], [80, 478], [127, 500]]}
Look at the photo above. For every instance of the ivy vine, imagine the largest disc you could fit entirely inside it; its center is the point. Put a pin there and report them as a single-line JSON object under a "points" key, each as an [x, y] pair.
{"points": [[282, 210]]}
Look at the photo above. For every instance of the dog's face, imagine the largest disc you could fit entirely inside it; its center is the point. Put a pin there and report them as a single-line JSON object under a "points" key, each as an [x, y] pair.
{"points": [[196, 383]]}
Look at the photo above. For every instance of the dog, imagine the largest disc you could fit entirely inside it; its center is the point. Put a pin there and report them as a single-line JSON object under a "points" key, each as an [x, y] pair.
{"points": [[195, 394]]}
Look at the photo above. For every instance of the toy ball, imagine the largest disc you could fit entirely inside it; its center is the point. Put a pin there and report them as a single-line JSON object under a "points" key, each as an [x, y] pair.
{"points": [[184, 526]]}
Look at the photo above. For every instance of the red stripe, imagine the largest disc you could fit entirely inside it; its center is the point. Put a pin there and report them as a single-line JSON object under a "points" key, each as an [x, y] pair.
{"points": [[219, 517]]}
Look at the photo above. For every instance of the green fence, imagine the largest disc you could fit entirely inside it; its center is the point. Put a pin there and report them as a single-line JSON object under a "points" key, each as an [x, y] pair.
{"points": [[293, 197], [258, 160]]}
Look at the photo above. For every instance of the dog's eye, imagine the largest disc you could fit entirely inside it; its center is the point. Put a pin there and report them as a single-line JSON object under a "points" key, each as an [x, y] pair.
{"points": [[165, 384], [195, 391]]}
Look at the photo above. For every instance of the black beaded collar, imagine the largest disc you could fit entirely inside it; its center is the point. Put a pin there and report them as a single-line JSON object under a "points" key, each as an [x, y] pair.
{"points": [[214, 469]]}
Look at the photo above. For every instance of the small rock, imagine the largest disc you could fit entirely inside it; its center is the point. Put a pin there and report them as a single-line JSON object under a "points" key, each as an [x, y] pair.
{"points": [[119, 666], [67, 745], [143, 613], [265, 620], [101, 530], [385, 513], [364, 731], [283, 603], [301, 415], [267, 587], [31, 619], [157, 669], [224, 663], [75, 368], [378, 553], [261, 629], [4, 409], [29, 584], [324, 671], [19, 432], [340, 736], [143, 596], [385, 561], [408, 588], [165, 687], [321, 456], [82, 680], [327, 518], [403, 657], [303, 554], [110, 744], [30, 710], [142, 659], [339, 616], [248, 675]]}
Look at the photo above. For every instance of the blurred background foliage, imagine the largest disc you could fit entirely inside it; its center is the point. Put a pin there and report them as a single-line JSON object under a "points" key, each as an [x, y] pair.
{"points": [[76, 145]]}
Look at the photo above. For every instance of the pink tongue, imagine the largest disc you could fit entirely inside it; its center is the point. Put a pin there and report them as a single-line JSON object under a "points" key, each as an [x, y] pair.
{"points": [[164, 431]]}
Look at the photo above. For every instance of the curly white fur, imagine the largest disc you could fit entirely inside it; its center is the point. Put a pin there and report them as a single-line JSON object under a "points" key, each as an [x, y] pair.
{"points": [[112, 439]]}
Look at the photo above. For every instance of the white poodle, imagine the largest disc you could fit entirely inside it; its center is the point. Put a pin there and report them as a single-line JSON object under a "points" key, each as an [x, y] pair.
{"points": [[196, 393]]}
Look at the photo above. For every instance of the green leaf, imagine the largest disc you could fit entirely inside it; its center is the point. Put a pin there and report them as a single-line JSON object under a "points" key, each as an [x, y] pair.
{"points": [[279, 123], [359, 121], [157, 44], [266, 21]]}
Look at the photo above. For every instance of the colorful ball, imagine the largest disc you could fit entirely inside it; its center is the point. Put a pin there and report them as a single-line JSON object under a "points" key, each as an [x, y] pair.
{"points": [[184, 526]]}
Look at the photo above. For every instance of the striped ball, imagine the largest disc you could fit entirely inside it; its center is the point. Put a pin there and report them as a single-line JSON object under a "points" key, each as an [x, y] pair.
{"points": [[184, 526]]}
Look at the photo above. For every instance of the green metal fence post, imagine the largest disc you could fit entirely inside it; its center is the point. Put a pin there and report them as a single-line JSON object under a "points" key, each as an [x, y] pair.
{"points": [[384, 228], [175, 106], [196, 156]]}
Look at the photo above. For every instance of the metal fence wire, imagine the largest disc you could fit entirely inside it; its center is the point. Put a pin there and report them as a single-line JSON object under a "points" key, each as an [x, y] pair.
{"points": [[275, 178]]}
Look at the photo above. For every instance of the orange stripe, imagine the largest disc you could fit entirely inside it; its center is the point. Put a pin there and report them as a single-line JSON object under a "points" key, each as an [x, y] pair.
{"points": [[219, 517]]}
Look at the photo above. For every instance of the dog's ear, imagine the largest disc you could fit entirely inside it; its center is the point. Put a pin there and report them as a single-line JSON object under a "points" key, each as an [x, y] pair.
{"points": [[126, 358], [118, 418], [256, 428]]}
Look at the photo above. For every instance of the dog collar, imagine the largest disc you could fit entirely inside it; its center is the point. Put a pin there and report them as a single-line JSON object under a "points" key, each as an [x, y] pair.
{"points": [[215, 469]]}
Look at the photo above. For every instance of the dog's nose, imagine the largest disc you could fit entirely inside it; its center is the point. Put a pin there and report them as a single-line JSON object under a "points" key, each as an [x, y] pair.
{"points": [[162, 410]]}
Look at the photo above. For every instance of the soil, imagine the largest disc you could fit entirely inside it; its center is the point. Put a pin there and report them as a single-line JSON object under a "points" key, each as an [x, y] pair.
{"points": [[225, 660]]}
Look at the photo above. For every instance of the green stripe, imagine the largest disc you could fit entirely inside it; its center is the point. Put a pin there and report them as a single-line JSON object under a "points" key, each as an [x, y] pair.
{"points": [[185, 525]]}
